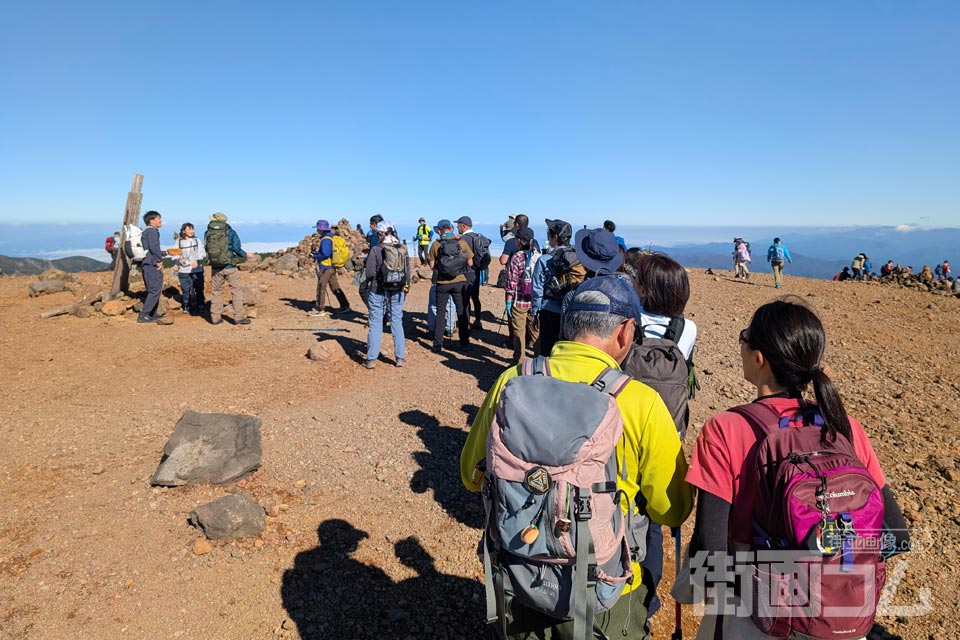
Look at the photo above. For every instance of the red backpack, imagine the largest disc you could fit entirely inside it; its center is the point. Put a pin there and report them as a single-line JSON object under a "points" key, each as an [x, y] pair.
{"points": [[818, 568], [108, 245]]}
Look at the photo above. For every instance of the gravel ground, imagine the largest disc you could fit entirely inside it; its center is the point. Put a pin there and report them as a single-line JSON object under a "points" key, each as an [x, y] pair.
{"points": [[369, 530]]}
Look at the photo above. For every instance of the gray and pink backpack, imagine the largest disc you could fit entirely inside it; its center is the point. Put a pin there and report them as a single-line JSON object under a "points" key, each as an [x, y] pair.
{"points": [[556, 539], [818, 531]]}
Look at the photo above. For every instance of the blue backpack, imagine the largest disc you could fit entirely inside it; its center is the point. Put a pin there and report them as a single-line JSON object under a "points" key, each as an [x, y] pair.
{"points": [[775, 253]]}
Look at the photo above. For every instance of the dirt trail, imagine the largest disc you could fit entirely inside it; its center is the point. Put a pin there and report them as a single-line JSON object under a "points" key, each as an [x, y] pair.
{"points": [[373, 532]]}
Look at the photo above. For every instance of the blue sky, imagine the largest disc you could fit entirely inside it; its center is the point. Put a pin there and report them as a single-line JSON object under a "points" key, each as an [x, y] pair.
{"points": [[686, 113]]}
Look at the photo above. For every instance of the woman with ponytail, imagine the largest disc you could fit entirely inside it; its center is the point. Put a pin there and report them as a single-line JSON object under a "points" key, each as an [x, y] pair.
{"points": [[781, 353]]}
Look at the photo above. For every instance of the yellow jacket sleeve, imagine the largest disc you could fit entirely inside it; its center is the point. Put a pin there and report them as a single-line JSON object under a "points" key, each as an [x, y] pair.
{"points": [[474, 450]]}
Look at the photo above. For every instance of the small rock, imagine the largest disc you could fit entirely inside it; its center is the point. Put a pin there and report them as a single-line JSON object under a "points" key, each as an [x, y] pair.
{"points": [[300, 484], [98, 471], [201, 547], [229, 517]]}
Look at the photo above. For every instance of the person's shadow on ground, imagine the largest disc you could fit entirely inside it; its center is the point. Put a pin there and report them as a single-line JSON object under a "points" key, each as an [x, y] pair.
{"points": [[329, 594], [440, 468], [434, 604]]}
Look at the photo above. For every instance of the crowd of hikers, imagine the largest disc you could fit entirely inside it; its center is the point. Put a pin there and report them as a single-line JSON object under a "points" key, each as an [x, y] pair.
{"points": [[577, 449]]}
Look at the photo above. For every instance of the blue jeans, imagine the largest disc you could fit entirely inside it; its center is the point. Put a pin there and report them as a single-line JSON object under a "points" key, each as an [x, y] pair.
{"points": [[381, 303], [191, 286], [432, 312]]}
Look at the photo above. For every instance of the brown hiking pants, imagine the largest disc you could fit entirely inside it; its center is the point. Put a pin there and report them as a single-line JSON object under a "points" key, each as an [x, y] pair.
{"points": [[230, 275]]}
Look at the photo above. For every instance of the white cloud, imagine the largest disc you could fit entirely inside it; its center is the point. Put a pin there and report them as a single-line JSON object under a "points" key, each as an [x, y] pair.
{"points": [[906, 228]]}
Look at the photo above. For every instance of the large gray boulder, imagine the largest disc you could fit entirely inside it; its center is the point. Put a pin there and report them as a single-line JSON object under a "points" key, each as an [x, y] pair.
{"points": [[287, 262], [210, 447], [229, 517]]}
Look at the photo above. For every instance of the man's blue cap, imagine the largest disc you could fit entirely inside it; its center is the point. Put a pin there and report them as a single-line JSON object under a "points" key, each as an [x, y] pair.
{"points": [[621, 298], [444, 224], [598, 251]]}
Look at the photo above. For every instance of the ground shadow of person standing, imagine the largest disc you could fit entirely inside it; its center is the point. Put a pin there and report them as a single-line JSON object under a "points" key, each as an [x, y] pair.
{"points": [[328, 594]]}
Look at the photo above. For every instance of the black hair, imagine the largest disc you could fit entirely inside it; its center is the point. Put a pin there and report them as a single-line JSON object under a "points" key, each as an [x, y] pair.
{"points": [[374, 219], [184, 226], [776, 240], [521, 220], [661, 283], [791, 337], [149, 216], [610, 225]]}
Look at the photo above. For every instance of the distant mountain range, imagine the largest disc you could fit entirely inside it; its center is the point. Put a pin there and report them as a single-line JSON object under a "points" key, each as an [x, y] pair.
{"points": [[34, 266]]}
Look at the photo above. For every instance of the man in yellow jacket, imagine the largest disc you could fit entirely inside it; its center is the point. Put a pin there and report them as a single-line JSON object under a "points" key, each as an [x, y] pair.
{"points": [[424, 233], [600, 321]]}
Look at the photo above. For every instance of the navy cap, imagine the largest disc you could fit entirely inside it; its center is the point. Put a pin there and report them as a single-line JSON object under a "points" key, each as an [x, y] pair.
{"points": [[598, 251], [444, 224], [465, 220], [621, 298], [524, 233]]}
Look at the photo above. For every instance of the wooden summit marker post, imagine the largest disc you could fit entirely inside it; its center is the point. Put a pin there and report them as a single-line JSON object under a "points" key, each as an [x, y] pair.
{"points": [[121, 271]]}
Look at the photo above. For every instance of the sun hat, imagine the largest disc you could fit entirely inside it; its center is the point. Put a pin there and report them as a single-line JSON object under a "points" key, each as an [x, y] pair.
{"points": [[323, 225], [621, 299], [218, 217], [598, 251]]}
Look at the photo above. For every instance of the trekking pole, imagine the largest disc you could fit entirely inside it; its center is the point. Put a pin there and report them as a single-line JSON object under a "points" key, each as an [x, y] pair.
{"points": [[678, 621], [324, 329], [503, 319]]}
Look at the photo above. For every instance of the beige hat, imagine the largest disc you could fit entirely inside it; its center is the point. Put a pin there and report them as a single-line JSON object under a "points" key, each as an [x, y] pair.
{"points": [[218, 217]]}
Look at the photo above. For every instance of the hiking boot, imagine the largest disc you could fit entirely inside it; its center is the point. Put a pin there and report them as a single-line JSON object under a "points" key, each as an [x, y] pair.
{"points": [[776, 286], [401, 362], [370, 364], [145, 319], [316, 313], [341, 311], [438, 348], [476, 326], [244, 321], [164, 320]]}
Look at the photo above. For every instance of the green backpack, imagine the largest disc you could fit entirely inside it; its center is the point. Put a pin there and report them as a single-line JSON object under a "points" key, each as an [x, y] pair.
{"points": [[218, 254]]}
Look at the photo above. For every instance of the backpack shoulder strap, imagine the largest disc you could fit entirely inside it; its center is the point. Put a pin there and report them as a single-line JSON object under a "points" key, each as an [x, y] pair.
{"points": [[763, 419], [611, 381], [674, 329], [539, 365]]}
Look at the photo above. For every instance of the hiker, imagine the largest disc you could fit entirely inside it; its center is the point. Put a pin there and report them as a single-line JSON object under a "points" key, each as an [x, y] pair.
{"points": [[781, 354], [776, 254], [389, 274], [926, 273], [424, 234], [329, 258], [741, 257], [600, 317], [519, 292], [224, 253], [598, 252], [557, 272], [372, 236], [112, 246], [151, 267], [942, 271], [856, 266], [844, 275], [480, 246], [611, 226], [189, 268], [451, 318], [885, 270], [510, 244], [662, 358], [450, 258]]}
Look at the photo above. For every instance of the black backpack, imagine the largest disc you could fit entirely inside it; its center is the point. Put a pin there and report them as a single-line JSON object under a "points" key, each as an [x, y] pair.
{"points": [[566, 273], [451, 260], [393, 268], [659, 363], [481, 251]]}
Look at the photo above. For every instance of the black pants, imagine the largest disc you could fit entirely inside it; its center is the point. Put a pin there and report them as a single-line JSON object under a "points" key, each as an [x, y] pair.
{"points": [[472, 294], [445, 292], [549, 331], [153, 279]]}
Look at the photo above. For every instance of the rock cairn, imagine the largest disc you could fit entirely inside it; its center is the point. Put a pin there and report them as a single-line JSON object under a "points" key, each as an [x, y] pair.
{"points": [[298, 261], [917, 281]]}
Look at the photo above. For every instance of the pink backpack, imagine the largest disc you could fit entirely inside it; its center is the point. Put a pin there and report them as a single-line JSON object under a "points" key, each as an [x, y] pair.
{"points": [[818, 568], [556, 539]]}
